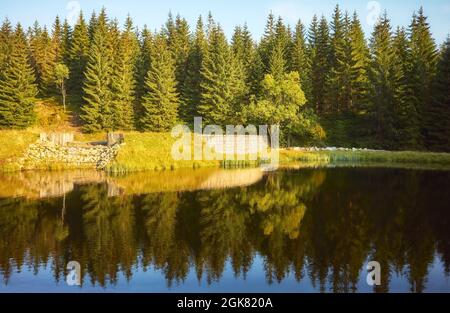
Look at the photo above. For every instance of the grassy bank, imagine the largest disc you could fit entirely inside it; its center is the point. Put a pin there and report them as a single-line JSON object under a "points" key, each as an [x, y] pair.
{"points": [[153, 151], [362, 157]]}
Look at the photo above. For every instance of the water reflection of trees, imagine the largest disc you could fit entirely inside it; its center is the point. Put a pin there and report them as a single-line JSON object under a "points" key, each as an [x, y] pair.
{"points": [[323, 224]]}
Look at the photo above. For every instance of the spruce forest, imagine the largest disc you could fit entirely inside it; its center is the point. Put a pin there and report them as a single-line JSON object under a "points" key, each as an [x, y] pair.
{"points": [[326, 83]]}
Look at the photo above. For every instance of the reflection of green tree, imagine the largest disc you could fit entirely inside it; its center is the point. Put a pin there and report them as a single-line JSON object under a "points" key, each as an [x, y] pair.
{"points": [[332, 221], [108, 232]]}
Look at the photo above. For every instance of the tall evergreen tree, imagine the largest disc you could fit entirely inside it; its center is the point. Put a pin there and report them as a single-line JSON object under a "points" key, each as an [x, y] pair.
{"points": [[180, 45], [222, 86], [160, 103], [78, 55], [191, 95], [124, 79], [424, 59], [96, 110], [340, 54], [243, 50], [17, 85], [406, 119], [57, 40], [319, 51], [66, 41], [359, 63], [6, 33], [43, 58], [298, 59], [438, 113], [383, 77]]}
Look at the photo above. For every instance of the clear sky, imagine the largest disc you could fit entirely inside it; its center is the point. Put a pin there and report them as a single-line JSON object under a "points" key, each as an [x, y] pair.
{"points": [[230, 12]]}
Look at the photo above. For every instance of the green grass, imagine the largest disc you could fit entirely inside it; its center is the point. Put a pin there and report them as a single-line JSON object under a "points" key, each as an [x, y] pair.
{"points": [[151, 151], [362, 157]]}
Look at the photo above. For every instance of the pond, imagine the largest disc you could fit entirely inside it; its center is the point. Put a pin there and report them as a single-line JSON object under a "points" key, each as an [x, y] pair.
{"points": [[293, 230]]}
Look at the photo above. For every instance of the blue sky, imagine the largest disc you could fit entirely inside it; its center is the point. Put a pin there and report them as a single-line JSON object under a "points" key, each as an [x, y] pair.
{"points": [[230, 12]]}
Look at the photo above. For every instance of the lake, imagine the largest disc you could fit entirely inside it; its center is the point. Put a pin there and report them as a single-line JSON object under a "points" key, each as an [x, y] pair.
{"points": [[211, 230]]}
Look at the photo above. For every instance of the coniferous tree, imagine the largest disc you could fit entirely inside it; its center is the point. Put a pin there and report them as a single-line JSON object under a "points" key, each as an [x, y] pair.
{"points": [[160, 102], [406, 119], [319, 51], [17, 85], [180, 45], [66, 40], [438, 113], [96, 109], [359, 63], [191, 95], [57, 40], [6, 33], [267, 42], [243, 51], [298, 59], [124, 80], [423, 65], [222, 86], [43, 58], [383, 78], [78, 56], [340, 53]]}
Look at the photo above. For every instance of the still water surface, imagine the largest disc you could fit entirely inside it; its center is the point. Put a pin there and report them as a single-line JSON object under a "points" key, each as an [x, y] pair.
{"points": [[305, 230]]}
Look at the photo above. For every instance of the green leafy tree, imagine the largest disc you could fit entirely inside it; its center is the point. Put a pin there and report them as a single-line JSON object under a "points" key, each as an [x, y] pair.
{"points": [[17, 85], [280, 101], [61, 73], [160, 103]]}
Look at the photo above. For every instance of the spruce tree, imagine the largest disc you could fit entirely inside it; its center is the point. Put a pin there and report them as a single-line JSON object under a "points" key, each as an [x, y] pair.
{"points": [[96, 109], [406, 119], [191, 95], [180, 45], [340, 50], [222, 86], [78, 56], [359, 63], [6, 33], [124, 80], [17, 85], [438, 113], [43, 58], [383, 78], [319, 51], [57, 40], [66, 41], [160, 102], [423, 65], [298, 58], [243, 51]]}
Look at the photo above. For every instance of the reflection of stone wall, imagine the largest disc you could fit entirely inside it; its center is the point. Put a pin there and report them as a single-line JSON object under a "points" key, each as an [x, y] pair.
{"points": [[89, 156], [47, 184]]}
